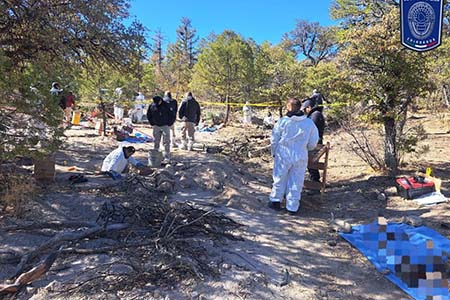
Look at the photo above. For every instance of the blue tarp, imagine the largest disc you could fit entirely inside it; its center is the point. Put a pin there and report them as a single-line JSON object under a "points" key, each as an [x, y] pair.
{"points": [[139, 138], [415, 256]]}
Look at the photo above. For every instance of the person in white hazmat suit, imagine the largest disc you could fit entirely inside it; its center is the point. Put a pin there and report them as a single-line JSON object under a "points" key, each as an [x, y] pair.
{"points": [[138, 110], [118, 108], [248, 113], [115, 163], [292, 137]]}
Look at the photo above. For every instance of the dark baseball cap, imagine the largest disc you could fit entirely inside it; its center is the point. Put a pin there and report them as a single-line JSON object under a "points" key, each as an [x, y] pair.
{"points": [[157, 99], [307, 103]]}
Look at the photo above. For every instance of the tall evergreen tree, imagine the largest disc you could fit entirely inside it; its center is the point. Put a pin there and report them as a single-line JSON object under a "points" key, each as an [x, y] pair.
{"points": [[182, 55], [225, 69]]}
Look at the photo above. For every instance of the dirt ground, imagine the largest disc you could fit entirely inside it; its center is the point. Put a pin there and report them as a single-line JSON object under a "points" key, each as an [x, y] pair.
{"points": [[320, 264]]}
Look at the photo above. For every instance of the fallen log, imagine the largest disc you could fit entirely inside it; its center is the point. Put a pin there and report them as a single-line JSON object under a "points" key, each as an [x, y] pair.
{"points": [[30, 276], [59, 239], [48, 225]]}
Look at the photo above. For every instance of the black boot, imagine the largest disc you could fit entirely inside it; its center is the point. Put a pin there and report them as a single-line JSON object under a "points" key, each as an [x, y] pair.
{"points": [[274, 205]]}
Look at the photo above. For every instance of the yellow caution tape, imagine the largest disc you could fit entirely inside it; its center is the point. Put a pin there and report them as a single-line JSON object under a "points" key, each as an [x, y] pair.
{"points": [[232, 104], [266, 104]]}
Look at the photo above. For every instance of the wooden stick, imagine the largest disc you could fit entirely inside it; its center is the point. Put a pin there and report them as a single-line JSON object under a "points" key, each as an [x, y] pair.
{"points": [[60, 238], [30, 276]]}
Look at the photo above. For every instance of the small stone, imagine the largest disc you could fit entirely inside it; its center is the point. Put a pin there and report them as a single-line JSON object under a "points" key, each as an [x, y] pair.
{"points": [[156, 294], [332, 243], [341, 226], [195, 295], [226, 266], [412, 220], [170, 169], [381, 197]]}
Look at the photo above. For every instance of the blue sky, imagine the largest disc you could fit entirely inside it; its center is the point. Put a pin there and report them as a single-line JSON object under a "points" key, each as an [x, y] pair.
{"points": [[263, 20]]}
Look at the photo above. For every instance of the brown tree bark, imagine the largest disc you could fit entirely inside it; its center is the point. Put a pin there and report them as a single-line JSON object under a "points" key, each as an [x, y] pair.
{"points": [[227, 115], [390, 145]]}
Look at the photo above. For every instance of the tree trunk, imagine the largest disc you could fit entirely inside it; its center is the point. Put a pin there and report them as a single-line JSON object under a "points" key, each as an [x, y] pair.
{"points": [[390, 145], [280, 107], [227, 115], [444, 91], [102, 105]]}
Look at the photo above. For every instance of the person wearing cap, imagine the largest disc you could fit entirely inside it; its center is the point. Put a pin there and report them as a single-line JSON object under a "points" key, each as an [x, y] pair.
{"points": [[115, 163], [173, 106], [292, 137], [317, 98], [314, 112], [56, 89], [190, 115], [159, 116]]}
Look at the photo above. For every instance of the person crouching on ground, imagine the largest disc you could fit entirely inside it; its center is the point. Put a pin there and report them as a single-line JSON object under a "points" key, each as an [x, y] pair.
{"points": [[292, 137], [159, 116], [115, 163]]}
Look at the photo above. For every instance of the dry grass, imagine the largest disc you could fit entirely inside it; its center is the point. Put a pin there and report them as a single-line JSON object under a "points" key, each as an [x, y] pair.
{"points": [[15, 191]]}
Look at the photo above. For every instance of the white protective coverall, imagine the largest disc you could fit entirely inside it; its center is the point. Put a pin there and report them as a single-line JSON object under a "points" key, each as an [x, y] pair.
{"points": [[116, 161], [292, 138], [248, 113], [138, 110], [118, 109]]}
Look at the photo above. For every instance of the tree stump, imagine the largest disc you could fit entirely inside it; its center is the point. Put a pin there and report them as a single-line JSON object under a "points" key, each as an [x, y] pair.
{"points": [[44, 168]]}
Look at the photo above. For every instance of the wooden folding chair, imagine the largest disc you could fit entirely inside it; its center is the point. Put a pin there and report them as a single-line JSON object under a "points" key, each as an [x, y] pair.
{"points": [[318, 160]]}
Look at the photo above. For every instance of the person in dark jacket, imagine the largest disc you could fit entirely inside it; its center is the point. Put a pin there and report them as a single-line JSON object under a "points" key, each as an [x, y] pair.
{"points": [[190, 115], [173, 106], [314, 112], [317, 97], [159, 116]]}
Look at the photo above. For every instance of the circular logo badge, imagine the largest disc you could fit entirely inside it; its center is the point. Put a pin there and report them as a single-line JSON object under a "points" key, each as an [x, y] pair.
{"points": [[421, 20]]}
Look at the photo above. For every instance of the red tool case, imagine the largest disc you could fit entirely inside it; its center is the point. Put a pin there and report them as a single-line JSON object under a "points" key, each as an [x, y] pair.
{"points": [[413, 187]]}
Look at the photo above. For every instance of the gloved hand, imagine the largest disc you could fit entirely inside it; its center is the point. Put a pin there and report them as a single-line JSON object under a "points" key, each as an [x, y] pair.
{"points": [[115, 175]]}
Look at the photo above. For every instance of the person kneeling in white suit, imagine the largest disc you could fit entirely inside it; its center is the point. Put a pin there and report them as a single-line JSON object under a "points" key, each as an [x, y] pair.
{"points": [[115, 163], [292, 137]]}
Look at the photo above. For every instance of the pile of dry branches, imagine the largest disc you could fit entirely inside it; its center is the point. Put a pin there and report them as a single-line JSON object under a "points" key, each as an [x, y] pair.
{"points": [[248, 146], [162, 243]]}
